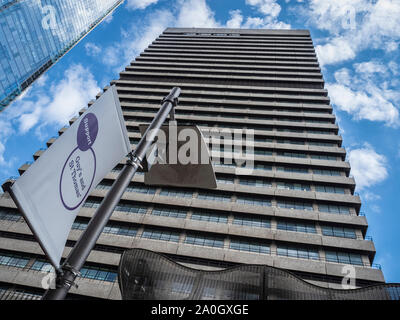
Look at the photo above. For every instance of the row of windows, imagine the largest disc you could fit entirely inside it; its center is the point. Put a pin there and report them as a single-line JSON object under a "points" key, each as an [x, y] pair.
{"points": [[13, 260], [164, 235], [88, 272], [250, 246], [339, 232], [343, 257], [243, 116], [9, 215], [275, 109], [241, 126], [264, 167], [111, 228], [253, 182], [264, 152], [257, 247], [252, 221], [139, 188], [296, 226], [263, 183], [199, 240], [209, 217], [169, 212], [246, 200], [296, 252]]}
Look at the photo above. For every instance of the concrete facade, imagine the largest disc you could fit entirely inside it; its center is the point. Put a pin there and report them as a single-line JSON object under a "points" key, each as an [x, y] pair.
{"points": [[266, 80]]}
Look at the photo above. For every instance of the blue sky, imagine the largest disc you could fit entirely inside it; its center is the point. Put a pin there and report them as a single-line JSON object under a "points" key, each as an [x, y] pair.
{"points": [[357, 43]]}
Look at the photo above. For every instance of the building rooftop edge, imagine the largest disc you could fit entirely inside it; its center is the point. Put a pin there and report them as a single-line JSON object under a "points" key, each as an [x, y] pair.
{"points": [[239, 30]]}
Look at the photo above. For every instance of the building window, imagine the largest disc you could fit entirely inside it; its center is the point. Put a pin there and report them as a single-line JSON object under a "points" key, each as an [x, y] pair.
{"points": [[319, 132], [262, 152], [252, 221], [101, 274], [120, 230], [293, 186], [91, 204], [209, 217], [262, 139], [13, 260], [9, 215], [329, 189], [292, 154], [223, 197], [297, 252], [290, 130], [141, 189], [161, 235], [344, 257], [332, 208], [250, 246], [254, 182], [177, 193], [134, 140], [169, 212], [264, 167], [293, 169], [339, 232], [297, 205], [296, 226], [225, 180], [78, 225], [131, 208], [200, 240], [226, 165], [323, 157], [41, 265], [112, 228], [322, 144], [288, 141], [326, 172], [253, 201]]}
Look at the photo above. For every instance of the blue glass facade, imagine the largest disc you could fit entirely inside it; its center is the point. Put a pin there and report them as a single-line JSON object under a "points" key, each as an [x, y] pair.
{"points": [[34, 34]]}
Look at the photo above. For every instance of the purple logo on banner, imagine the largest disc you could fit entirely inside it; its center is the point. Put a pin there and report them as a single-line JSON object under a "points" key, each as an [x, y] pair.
{"points": [[80, 167], [87, 132]]}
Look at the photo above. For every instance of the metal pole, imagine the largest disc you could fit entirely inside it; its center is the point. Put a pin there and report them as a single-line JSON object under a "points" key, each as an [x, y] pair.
{"points": [[85, 244]]}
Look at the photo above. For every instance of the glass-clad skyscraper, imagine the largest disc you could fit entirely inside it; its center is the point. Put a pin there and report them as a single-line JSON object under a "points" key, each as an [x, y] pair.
{"points": [[34, 34]]}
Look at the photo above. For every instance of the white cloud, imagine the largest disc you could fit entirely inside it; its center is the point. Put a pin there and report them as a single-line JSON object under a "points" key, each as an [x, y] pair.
{"points": [[368, 92], [2, 149], [267, 7], [92, 49], [236, 19], [354, 25], [367, 166], [195, 13], [60, 102], [337, 15], [343, 76], [110, 56], [6, 132], [140, 4], [337, 50], [370, 104], [370, 67]]}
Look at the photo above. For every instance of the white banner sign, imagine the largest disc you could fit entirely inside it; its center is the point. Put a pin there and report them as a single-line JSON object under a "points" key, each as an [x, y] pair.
{"points": [[53, 189]]}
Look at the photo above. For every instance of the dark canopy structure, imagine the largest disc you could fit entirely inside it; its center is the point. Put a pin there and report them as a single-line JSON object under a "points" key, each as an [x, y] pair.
{"points": [[146, 275]]}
